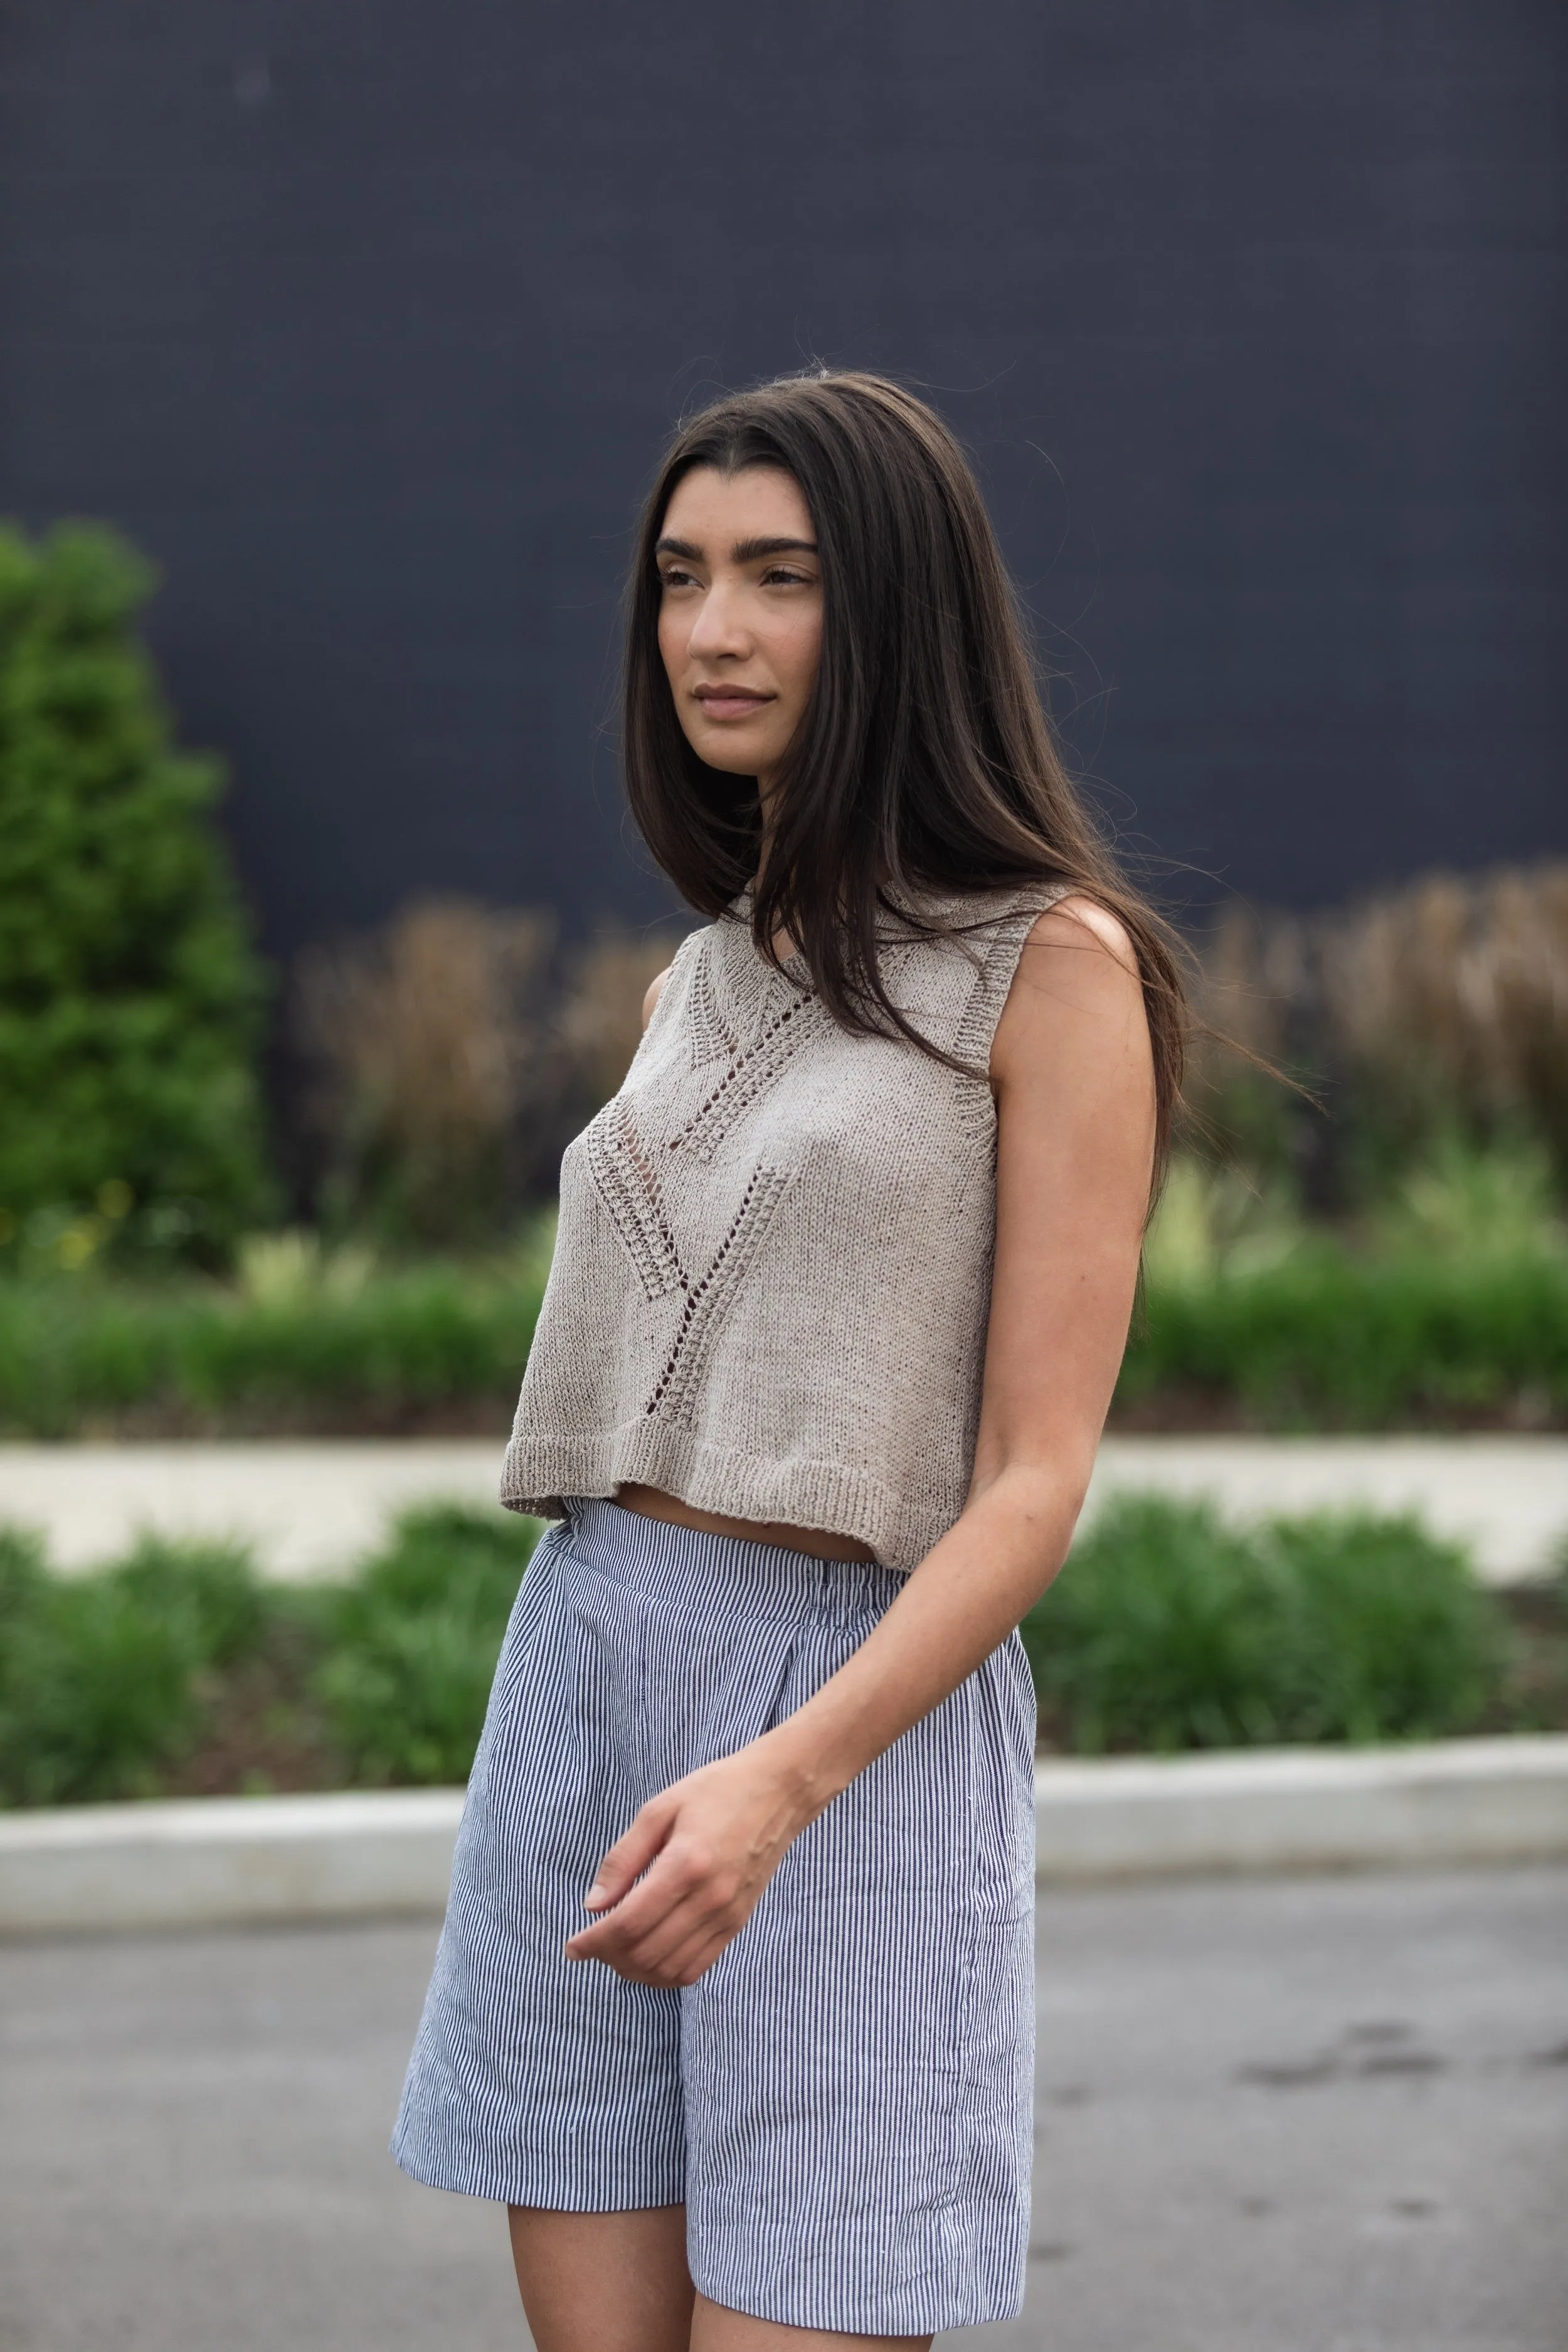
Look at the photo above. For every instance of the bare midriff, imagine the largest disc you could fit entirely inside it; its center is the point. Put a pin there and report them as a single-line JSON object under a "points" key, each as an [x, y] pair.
{"points": [[820, 1542]]}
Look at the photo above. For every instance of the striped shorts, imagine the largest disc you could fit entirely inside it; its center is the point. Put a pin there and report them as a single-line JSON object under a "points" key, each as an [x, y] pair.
{"points": [[842, 2102]]}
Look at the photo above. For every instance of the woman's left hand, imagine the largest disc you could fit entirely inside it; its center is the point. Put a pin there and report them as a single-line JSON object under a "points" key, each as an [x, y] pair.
{"points": [[686, 1878]]}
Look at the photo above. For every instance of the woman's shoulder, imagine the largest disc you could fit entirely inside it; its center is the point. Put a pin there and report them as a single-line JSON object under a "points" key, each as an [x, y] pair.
{"points": [[1072, 918], [956, 974]]}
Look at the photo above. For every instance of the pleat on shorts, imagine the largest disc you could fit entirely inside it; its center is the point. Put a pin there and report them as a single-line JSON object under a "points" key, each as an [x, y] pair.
{"points": [[842, 2103]]}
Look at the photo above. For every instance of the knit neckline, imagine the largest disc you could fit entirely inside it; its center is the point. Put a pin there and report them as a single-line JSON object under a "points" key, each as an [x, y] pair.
{"points": [[793, 966]]}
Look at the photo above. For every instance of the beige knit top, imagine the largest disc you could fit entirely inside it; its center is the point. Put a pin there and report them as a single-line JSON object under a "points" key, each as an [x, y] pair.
{"points": [[771, 1277]]}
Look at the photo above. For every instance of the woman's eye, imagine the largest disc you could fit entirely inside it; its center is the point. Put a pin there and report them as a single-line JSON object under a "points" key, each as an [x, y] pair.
{"points": [[675, 578], [779, 575]]}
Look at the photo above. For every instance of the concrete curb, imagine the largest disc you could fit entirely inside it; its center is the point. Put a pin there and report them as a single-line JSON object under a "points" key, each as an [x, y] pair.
{"points": [[219, 1862], [234, 1861], [1280, 1809]]}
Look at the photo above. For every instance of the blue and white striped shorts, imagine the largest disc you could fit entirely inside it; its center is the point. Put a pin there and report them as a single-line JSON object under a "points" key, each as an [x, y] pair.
{"points": [[843, 2101]]}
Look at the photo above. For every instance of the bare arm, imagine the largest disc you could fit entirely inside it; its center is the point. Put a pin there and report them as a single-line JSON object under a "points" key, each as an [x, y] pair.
{"points": [[1073, 1075]]}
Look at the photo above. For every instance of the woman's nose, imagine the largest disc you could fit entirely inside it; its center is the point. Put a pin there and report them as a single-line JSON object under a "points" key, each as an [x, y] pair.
{"points": [[718, 627]]}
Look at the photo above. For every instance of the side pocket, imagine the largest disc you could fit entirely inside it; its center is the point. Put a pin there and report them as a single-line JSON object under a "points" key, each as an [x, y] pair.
{"points": [[1004, 1729], [529, 1612], [995, 2072]]}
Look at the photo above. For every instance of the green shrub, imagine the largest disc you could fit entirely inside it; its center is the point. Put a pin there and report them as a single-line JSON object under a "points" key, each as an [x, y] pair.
{"points": [[129, 995], [1168, 1629], [1387, 1633], [1279, 1330], [110, 1681], [1461, 1203], [101, 1677], [1158, 1633], [178, 1668], [192, 1355], [1326, 1338], [414, 1641]]}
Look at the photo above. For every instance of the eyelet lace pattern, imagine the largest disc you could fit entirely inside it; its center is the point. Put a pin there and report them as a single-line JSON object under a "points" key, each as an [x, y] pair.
{"points": [[625, 1170]]}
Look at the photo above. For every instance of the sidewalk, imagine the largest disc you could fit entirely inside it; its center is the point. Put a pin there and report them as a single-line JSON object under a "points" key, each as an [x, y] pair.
{"points": [[309, 1508]]}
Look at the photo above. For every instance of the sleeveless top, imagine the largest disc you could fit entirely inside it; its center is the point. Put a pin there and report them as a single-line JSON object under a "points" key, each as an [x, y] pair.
{"points": [[770, 1283]]}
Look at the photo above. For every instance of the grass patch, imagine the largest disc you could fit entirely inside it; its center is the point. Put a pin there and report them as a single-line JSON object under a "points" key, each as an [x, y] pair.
{"points": [[1324, 1336], [411, 1644], [177, 1672], [1170, 1629], [1327, 1338], [195, 1357]]}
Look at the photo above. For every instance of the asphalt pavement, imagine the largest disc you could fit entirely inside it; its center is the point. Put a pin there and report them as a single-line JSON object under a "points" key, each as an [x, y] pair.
{"points": [[1294, 2115]]}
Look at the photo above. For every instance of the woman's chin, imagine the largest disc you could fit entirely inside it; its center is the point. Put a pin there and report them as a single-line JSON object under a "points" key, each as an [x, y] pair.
{"points": [[731, 751]]}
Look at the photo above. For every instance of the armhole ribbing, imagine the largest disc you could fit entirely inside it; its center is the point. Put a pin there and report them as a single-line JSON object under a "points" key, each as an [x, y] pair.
{"points": [[675, 970], [662, 1012], [976, 1029]]}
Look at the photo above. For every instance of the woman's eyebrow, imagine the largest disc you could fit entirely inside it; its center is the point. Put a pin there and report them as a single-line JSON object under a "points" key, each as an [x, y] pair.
{"points": [[750, 550], [745, 551]]}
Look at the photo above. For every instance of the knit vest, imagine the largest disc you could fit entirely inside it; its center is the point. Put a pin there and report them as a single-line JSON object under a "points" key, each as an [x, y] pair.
{"points": [[771, 1282]]}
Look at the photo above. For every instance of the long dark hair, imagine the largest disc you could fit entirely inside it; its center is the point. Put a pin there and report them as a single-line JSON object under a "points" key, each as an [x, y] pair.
{"points": [[925, 763]]}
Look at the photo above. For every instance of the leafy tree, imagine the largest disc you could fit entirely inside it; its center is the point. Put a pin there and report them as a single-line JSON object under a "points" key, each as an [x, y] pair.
{"points": [[130, 996]]}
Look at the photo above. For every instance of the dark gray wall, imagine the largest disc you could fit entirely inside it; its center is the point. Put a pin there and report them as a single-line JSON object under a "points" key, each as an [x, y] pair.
{"points": [[366, 317]]}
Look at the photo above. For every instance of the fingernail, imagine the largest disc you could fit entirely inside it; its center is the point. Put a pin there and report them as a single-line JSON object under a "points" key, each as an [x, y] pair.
{"points": [[595, 1897]]}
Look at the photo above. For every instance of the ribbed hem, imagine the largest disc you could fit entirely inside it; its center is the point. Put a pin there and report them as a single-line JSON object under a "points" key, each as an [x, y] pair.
{"points": [[540, 1473]]}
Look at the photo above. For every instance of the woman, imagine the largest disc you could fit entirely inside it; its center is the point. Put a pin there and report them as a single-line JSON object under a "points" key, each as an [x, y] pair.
{"points": [[732, 2007]]}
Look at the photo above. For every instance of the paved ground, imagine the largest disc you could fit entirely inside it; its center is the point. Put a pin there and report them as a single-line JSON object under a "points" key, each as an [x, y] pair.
{"points": [[1310, 2116], [309, 1508]]}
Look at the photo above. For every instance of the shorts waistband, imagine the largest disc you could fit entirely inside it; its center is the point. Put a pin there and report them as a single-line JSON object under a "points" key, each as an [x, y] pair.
{"points": [[766, 1580]]}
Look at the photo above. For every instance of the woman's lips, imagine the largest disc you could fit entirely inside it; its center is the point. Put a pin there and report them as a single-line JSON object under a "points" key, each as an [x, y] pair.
{"points": [[730, 702]]}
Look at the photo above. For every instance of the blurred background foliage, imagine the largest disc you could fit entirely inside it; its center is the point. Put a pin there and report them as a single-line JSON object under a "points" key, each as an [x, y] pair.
{"points": [[1175, 1630], [131, 1001], [1431, 1020], [361, 1244], [448, 1058]]}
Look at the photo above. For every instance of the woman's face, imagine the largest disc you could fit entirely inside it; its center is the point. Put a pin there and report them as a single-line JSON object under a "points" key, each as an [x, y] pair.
{"points": [[740, 616]]}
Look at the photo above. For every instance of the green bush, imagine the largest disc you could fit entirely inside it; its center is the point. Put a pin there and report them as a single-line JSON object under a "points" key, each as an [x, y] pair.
{"points": [[178, 1668], [111, 1682], [1388, 1632], [1167, 1630], [412, 1643], [101, 1676], [190, 1355], [1327, 1338], [1318, 1338], [129, 995]]}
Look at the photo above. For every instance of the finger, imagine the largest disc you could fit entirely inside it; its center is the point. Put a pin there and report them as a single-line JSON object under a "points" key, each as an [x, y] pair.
{"points": [[630, 1855], [657, 1953], [696, 1956], [666, 1908], [681, 1962], [664, 1973], [665, 1951], [637, 1914]]}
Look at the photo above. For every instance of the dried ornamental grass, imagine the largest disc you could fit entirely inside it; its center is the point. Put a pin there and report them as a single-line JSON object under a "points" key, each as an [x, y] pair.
{"points": [[427, 1036], [1439, 1008], [1457, 991], [601, 1010]]}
